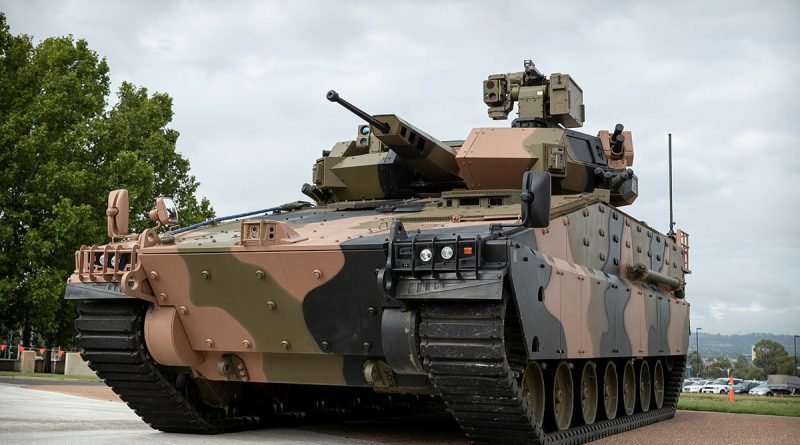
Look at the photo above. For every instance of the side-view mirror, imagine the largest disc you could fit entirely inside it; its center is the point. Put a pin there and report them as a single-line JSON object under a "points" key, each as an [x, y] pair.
{"points": [[117, 213], [165, 213], [535, 199]]}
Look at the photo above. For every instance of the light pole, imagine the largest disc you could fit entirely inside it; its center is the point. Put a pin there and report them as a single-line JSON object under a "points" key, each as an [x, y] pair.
{"points": [[697, 345], [795, 354]]}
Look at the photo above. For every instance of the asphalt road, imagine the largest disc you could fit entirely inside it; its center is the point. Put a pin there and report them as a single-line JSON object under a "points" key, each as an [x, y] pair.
{"points": [[31, 416]]}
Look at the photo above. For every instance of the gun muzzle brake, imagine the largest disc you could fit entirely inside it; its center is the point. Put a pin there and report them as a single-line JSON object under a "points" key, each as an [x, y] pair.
{"points": [[333, 96]]}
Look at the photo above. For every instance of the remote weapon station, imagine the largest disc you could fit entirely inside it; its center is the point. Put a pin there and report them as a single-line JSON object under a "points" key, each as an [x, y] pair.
{"points": [[494, 277]]}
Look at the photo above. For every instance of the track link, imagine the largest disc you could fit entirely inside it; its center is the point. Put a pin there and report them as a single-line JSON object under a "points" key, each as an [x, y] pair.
{"points": [[111, 340], [464, 353]]}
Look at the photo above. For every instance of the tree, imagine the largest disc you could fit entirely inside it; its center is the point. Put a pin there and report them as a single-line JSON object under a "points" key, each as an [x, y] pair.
{"points": [[718, 367], [742, 368], [756, 374], [772, 358], [694, 361], [785, 365], [62, 149]]}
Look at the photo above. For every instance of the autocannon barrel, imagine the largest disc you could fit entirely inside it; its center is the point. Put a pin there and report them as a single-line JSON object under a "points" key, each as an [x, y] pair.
{"points": [[333, 96], [641, 272], [435, 161]]}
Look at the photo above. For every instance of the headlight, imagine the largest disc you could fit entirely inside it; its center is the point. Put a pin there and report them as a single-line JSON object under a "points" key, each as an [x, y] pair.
{"points": [[111, 260], [447, 252], [425, 255]]}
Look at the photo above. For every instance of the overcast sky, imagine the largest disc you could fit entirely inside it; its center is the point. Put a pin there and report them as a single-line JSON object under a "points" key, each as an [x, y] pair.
{"points": [[249, 78]]}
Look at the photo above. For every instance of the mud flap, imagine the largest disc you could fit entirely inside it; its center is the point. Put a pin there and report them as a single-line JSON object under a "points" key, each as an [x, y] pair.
{"points": [[399, 341]]}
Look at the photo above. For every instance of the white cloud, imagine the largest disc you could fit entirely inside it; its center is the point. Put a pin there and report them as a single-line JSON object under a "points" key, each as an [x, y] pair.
{"points": [[720, 310]]}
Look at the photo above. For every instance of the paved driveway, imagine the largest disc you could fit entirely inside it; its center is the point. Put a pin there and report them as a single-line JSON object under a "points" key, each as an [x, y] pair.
{"points": [[37, 417]]}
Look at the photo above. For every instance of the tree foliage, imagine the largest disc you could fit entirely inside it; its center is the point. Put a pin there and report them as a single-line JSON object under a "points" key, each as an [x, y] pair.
{"points": [[694, 361], [718, 367], [772, 358], [742, 368], [62, 149]]}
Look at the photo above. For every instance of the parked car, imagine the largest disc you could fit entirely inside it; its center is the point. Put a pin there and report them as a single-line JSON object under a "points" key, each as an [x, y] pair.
{"points": [[696, 386], [719, 386], [689, 381], [745, 386], [761, 390]]}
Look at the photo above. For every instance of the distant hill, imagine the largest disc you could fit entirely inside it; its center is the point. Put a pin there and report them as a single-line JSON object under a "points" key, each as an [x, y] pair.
{"points": [[732, 346]]}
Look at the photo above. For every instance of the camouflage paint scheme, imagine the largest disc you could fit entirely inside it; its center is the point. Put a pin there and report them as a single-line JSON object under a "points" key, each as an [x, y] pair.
{"points": [[321, 287], [294, 294]]}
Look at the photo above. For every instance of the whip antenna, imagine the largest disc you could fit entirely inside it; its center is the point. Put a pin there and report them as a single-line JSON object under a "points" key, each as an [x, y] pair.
{"points": [[671, 221]]}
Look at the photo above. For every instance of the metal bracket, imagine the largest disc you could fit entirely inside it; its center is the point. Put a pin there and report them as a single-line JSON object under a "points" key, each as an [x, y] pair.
{"points": [[378, 374], [233, 368]]}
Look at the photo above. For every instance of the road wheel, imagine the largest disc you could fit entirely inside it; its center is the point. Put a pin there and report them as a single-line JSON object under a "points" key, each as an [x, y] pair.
{"points": [[658, 384], [587, 393], [562, 396], [628, 389], [610, 390], [533, 390], [645, 385]]}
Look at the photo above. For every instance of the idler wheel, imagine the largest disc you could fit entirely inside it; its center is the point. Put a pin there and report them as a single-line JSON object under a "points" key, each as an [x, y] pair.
{"points": [[610, 390], [533, 390], [645, 386]]}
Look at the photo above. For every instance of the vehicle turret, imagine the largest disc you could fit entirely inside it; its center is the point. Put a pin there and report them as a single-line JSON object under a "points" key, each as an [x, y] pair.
{"points": [[390, 158], [393, 159], [540, 138]]}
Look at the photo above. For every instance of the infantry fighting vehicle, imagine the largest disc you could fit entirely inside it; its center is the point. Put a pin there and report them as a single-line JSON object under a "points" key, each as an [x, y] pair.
{"points": [[495, 277]]}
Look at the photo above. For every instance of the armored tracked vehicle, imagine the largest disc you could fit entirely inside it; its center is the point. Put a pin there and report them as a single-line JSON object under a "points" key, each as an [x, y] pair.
{"points": [[495, 277]]}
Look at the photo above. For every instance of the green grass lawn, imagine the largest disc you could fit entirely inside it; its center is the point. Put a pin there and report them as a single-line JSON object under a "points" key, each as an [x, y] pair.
{"points": [[47, 376], [745, 404]]}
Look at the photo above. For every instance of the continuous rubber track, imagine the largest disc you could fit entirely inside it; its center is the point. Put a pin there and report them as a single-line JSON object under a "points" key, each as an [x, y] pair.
{"points": [[111, 340], [464, 353]]}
